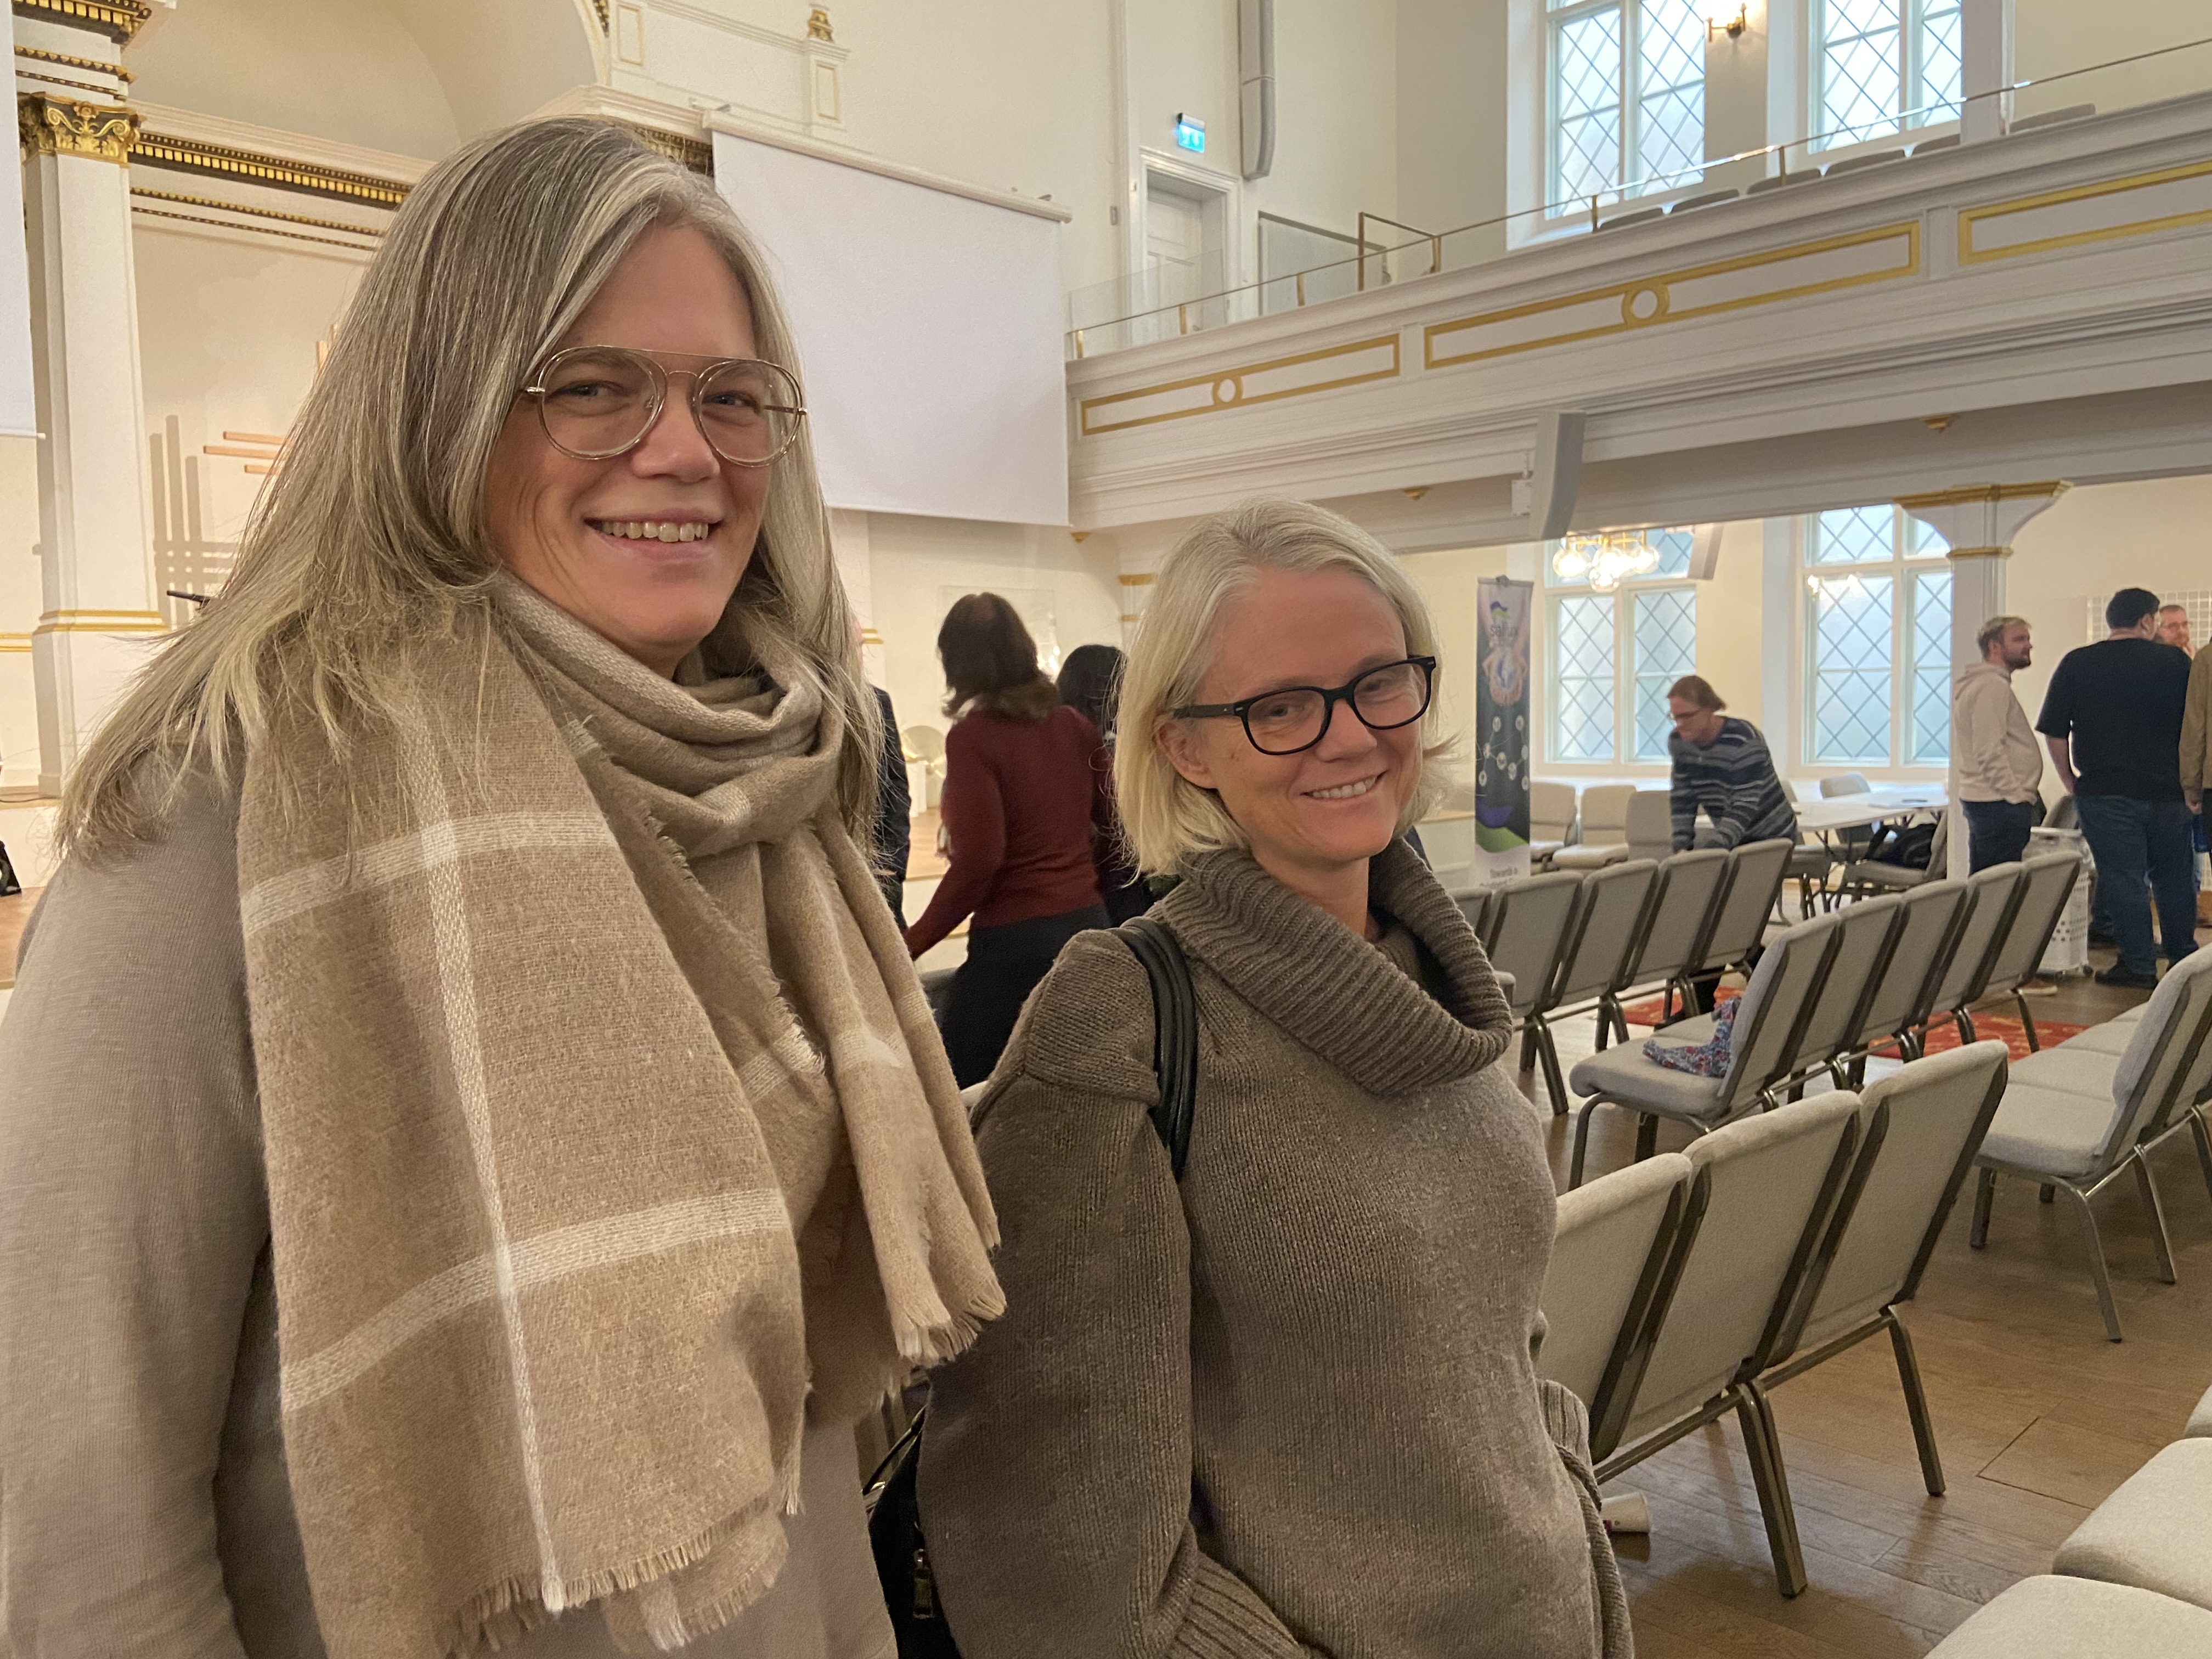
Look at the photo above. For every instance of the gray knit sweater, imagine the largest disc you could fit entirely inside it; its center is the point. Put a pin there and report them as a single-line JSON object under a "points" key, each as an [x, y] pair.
{"points": [[1290, 1408]]}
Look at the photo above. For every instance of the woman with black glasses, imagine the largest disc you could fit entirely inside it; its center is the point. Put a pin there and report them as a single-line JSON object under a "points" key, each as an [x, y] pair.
{"points": [[1288, 1407]]}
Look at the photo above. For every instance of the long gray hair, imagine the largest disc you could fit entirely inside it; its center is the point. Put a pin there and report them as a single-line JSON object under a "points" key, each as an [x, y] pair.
{"points": [[370, 535]]}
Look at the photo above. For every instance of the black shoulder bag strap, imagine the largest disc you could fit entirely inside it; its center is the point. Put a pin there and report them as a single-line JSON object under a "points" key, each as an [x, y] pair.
{"points": [[1175, 1033], [894, 1513]]}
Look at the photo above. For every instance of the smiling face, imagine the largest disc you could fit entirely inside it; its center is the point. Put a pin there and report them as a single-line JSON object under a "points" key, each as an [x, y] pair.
{"points": [[1311, 815], [644, 548]]}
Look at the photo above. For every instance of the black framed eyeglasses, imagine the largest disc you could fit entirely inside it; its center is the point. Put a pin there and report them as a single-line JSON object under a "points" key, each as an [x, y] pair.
{"points": [[1297, 717], [598, 402]]}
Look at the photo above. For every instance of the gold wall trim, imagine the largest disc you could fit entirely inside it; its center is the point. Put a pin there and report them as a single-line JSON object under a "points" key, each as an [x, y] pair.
{"points": [[869, 636], [191, 155], [118, 19], [1658, 291], [48, 125], [697, 154], [1979, 553], [1133, 616], [1970, 217], [252, 212], [1144, 579], [67, 62], [1993, 492], [103, 622], [15, 644], [1228, 390], [81, 616], [22, 74]]}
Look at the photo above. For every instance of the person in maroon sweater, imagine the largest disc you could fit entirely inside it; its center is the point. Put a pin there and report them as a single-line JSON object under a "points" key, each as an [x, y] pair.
{"points": [[1028, 817]]}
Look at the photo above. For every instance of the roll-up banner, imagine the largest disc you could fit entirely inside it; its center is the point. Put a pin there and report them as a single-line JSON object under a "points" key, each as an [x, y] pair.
{"points": [[1501, 711]]}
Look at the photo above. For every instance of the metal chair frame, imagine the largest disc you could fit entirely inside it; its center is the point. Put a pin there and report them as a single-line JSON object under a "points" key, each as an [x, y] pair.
{"points": [[1964, 1014], [1537, 1028]]}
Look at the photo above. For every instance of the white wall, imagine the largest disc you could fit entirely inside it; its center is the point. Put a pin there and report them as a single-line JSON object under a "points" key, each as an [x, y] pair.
{"points": [[1451, 116], [918, 566], [20, 603], [2052, 36], [2156, 533]]}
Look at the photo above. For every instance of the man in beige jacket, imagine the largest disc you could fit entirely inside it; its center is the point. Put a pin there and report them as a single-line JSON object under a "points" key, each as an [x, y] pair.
{"points": [[2000, 762]]}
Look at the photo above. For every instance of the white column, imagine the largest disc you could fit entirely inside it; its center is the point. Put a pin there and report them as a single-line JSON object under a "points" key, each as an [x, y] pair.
{"points": [[1985, 30], [94, 538], [850, 544], [1978, 523]]}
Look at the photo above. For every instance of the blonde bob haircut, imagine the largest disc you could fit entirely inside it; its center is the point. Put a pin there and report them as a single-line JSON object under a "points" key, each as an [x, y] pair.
{"points": [[1168, 819], [370, 534]]}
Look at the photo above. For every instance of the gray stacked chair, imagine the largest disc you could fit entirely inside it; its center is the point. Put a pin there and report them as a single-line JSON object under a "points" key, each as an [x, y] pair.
{"points": [[2046, 883], [1769, 1024], [1684, 908], [1650, 823], [1930, 921], [1910, 1176], [1757, 868], [1550, 820], [1765, 1192], [1810, 861], [2155, 1532], [1874, 158], [1474, 904], [1525, 933], [2076, 1117], [1868, 874], [1709, 198], [2051, 1617], [1990, 895], [1601, 829], [1866, 936], [1602, 937]]}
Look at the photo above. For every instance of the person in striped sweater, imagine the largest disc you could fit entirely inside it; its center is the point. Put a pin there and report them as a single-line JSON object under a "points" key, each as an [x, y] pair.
{"points": [[1721, 766]]}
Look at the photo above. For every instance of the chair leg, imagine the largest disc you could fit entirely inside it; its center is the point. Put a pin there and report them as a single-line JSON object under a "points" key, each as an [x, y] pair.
{"points": [[1771, 1482], [1962, 1019], [1604, 1027], [2165, 1245], [2098, 1271], [1985, 1192], [1547, 1051], [1582, 1143], [2048, 1194], [2203, 1136], [2027, 1023], [1528, 1046], [1647, 1136], [1916, 1407]]}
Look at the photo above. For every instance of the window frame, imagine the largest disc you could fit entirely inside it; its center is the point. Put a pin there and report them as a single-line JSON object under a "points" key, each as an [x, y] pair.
{"points": [[1903, 567], [1629, 94], [1552, 589], [1911, 63]]}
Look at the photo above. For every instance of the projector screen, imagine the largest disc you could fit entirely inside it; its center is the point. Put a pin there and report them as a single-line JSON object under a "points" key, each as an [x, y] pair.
{"points": [[18, 414], [929, 334]]}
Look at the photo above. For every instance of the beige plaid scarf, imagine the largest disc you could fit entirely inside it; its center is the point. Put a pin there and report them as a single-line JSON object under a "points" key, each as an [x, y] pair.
{"points": [[602, 1112]]}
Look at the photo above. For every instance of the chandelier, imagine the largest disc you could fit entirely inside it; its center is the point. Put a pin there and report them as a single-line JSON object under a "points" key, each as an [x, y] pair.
{"points": [[1606, 559]]}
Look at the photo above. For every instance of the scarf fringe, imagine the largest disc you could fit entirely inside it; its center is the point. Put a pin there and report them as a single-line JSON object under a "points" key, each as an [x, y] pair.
{"points": [[931, 1345]]}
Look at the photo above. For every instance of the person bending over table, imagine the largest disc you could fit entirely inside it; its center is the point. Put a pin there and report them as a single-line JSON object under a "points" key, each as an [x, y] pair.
{"points": [[1721, 766]]}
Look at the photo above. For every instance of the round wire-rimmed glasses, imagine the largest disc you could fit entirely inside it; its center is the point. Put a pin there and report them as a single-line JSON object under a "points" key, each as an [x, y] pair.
{"points": [[1293, 719], [598, 402]]}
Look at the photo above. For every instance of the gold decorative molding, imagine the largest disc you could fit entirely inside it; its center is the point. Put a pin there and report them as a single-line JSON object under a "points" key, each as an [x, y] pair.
{"points": [[103, 622], [817, 25], [1971, 219], [68, 62], [697, 154], [1143, 579], [118, 19], [1966, 493], [218, 161], [600, 7], [48, 125], [138, 193], [1235, 388], [869, 636], [14, 644], [1645, 302], [1979, 553]]}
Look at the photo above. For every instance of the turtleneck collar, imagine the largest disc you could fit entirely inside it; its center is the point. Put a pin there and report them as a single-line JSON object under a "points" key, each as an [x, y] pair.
{"points": [[1332, 991]]}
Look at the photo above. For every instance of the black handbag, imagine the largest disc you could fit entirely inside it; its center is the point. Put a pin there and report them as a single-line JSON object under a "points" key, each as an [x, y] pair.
{"points": [[894, 1516], [8, 885]]}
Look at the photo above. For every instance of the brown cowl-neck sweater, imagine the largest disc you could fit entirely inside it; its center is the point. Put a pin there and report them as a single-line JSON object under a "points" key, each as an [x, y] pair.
{"points": [[1290, 1408]]}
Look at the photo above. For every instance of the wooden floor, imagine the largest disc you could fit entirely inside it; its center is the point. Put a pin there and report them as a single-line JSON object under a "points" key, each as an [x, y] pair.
{"points": [[14, 911], [2037, 1415]]}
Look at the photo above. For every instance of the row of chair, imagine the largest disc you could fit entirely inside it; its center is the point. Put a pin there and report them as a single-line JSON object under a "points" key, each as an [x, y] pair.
{"points": [[2133, 1581], [1829, 992], [1575, 943], [2081, 1115], [1687, 1287]]}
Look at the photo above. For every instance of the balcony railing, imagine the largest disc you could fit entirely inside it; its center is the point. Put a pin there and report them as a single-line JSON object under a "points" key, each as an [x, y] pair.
{"points": [[1430, 252]]}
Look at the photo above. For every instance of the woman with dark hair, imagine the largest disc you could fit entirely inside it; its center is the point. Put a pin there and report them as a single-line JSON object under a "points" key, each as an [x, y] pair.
{"points": [[1090, 684], [1027, 813]]}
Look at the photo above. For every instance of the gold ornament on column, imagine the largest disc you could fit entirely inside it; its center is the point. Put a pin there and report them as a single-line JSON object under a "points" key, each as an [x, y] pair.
{"points": [[48, 125], [817, 25]]}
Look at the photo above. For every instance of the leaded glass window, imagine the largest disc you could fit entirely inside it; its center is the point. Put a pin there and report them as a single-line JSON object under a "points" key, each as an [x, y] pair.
{"points": [[1883, 67], [1627, 97], [1612, 657], [1878, 640]]}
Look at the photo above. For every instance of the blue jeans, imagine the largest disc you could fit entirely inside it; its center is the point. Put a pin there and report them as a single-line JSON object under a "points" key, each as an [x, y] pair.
{"points": [[1997, 831], [2136, 842]]}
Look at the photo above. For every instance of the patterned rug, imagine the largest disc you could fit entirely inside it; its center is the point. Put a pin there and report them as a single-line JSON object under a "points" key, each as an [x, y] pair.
{"points": [[1990, 1023]]}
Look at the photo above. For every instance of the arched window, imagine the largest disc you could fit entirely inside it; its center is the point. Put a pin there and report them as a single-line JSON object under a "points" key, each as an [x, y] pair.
{"points": [[1877, 640]]}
